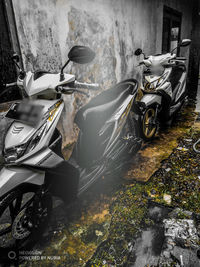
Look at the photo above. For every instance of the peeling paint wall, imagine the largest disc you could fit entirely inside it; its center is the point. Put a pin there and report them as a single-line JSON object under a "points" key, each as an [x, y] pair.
{"points": [[47, 29]]}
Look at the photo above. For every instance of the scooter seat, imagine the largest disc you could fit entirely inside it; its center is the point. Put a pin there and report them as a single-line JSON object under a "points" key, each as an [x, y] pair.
{"points": [[95, 113]]}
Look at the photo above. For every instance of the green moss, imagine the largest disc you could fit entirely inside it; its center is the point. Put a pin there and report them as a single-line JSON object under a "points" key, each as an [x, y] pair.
{"points": [[128, 211]]}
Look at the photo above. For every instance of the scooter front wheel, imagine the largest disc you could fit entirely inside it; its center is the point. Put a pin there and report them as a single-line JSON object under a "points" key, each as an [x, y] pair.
{"points": [[20, 223], [148, 124]]}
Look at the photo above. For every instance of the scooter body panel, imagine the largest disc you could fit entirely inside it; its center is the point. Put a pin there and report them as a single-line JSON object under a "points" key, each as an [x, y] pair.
{"points": [[103, 131], [151, 99], [169, 89], [45, 159], [117, 121], [21, 134], [11, 177], [45, 83], [107, 148], [181, 88]]}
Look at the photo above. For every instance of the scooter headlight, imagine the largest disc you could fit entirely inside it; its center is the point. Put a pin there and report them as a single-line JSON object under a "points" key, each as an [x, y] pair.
{"points": [[14, 153]]}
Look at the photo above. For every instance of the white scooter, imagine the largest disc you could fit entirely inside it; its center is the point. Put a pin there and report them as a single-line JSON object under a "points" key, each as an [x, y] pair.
{"points": [[164, 89], [34, 165]]}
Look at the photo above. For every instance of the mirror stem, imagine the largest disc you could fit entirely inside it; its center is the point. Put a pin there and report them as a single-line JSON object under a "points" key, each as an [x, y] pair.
{"points": [[174, 50], [144, 55], [16, 64], [62, 76]]}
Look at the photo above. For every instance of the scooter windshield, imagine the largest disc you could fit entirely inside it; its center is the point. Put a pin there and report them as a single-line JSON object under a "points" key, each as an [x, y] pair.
{"points": [[25, 112]]}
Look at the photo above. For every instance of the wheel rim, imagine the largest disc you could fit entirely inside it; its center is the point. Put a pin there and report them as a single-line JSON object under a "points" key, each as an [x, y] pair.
{"points": [[25, 220], [19, 228], [11, 217], [149, 127]]}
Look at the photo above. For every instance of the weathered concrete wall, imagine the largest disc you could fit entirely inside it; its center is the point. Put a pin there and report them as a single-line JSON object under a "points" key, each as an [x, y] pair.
{"points": [[194, 64], [113, 28]]}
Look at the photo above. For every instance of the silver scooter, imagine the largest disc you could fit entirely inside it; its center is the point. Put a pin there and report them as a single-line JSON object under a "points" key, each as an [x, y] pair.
{"points": [[163, 87], [34, 165]]}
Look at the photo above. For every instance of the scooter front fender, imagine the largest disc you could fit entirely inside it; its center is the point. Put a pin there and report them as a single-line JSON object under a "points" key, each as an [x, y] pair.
{"points": [[150, 99], [11, 177]]}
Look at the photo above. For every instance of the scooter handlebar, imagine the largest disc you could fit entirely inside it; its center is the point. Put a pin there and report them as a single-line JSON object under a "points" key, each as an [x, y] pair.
{"points": [[90, 86], [10, 84], [180, 58], [75, 86]]}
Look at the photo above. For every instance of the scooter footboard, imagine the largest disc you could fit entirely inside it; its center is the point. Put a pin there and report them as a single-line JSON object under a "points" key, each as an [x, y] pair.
{"points": [[11, 177]]}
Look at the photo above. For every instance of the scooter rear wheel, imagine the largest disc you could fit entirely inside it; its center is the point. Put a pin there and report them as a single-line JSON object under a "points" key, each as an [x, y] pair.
{"points": [[148, 124]]}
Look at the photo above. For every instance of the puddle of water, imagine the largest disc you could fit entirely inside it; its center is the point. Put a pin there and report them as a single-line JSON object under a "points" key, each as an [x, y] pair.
{"points": [[148, 245]]}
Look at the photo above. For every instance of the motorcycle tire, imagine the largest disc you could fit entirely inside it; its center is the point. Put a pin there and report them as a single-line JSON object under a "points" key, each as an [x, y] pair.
{"points": [[148, 129], [18, 233]]}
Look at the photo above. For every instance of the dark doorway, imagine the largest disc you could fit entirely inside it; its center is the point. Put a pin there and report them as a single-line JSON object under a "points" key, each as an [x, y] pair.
{"points": [[8, 72], [171, 29]]}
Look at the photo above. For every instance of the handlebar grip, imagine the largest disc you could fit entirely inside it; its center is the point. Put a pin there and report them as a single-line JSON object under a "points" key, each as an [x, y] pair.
{"points": [[10, 84], [70, 90], [90, 86], [180, 58]]}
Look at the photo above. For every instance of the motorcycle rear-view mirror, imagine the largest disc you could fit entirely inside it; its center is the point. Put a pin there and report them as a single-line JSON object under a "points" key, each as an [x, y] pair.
{"points": [[138, 52], [185, 42], [78, 54], [81, 54]]}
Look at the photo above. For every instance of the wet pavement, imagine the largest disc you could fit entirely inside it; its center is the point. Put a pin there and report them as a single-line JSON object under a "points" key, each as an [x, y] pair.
{"points": [[148, 246]]}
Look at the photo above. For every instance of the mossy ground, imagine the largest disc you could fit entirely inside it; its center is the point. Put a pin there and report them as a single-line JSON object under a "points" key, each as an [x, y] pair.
{"points": [[178, 177]]}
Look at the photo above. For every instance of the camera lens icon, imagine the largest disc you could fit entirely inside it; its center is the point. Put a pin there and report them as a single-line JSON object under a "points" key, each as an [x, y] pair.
{"points": [[12, 255]]}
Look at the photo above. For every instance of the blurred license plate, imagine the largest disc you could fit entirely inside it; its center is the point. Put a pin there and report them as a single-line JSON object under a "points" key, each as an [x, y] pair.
{"points": [[25, 112]]}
